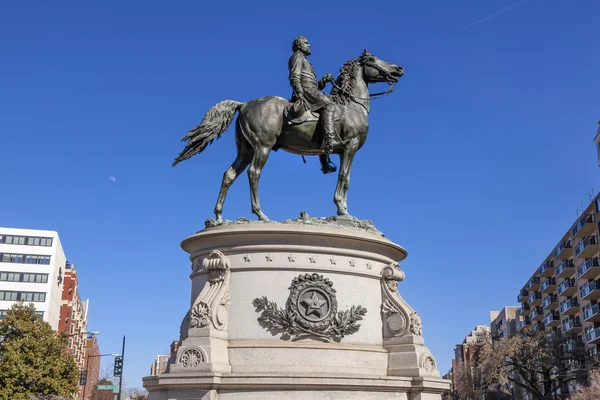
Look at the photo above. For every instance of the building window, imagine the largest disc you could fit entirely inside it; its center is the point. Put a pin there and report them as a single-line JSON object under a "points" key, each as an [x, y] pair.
{"points": [[26, 240], [25, 258], [25, 277], [71, 343], [37, 297], [72, 328]]}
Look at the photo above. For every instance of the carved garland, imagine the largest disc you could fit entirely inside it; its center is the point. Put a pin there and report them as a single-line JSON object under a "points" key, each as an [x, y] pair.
{"points": [[212, 304], [399, 318]]}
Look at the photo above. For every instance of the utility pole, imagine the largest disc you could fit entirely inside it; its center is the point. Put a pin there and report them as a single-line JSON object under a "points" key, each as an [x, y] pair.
{"points": [[122, 362]]}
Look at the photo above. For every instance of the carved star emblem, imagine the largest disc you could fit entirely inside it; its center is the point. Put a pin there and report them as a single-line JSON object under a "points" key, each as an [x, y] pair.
{"points": [[312, 259], [291, 258], [269, 258], [333, 261], [247, 258], [352, 264], [314, 305], [369, 265]]}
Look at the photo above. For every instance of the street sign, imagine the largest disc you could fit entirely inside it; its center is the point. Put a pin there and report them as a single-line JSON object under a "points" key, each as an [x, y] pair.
{"points": [[108, 387]]}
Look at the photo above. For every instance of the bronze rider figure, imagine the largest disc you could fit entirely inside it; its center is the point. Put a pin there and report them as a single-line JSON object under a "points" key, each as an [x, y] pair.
{"points": [[307, 93]]}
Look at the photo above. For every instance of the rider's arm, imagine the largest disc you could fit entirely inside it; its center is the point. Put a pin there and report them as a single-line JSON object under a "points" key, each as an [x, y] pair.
{"points": [[295, 66]]}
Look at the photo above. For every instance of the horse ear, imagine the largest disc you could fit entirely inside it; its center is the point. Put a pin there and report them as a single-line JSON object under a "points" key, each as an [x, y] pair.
{"points": [[365, 52]]}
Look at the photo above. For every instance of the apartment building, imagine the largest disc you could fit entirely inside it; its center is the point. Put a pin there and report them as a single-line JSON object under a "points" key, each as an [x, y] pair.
{"points": [[504, 323], [562, 294], [32, 266], [73, 316]]}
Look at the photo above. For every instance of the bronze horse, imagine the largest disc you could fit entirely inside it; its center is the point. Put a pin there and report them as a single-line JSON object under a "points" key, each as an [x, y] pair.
{"points": [[262, 126]]}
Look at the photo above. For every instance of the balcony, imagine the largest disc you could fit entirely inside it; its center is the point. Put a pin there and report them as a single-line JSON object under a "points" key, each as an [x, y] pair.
{"points": [[592, 313], [537, 314], [538, 327], [590, 269], [550, 303], [569, 307], [573, 344], [525, 323], [563, 250], [593, 336], [565, 269], [525, 310], [547, 269], [571, 326], [523, 296], [567, 288], [535, 299], [590, 291], [587, 247], [552, 320], [534, 283], [549, 285], [585, 226]]}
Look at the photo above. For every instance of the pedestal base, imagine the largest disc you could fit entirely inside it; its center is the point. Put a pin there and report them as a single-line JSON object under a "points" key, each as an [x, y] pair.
{"points": [[297, 310]]}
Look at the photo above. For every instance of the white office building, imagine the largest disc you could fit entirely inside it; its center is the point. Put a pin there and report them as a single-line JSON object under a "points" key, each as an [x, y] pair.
{"points": [[32, 267]]}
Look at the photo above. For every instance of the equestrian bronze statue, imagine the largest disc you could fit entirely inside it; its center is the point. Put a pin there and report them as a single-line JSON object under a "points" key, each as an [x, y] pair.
{"points": [[312, 124]]}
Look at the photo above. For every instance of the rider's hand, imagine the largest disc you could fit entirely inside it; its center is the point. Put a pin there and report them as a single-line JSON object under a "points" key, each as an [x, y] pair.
{"points": [[328, 78]]}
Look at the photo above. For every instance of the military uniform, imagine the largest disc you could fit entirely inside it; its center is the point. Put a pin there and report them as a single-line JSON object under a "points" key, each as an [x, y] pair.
{"points": [[304, 81]]}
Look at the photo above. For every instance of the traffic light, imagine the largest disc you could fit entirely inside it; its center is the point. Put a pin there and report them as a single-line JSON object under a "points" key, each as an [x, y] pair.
{"points": [[118, 366], [82, 378]]}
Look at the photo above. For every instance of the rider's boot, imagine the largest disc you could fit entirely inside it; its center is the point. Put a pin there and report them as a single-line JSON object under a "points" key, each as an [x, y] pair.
{"points": [[328, 126], [326, 165]]}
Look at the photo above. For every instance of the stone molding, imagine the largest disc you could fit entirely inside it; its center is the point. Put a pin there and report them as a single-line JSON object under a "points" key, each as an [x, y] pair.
{"points": [[212, 304]]}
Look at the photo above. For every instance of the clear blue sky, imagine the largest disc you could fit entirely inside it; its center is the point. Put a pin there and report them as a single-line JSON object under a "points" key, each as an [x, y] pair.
{"points": [[476, 164]]}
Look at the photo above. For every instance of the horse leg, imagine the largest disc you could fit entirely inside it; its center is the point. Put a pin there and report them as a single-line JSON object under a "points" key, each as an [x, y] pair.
{"points": [[261, 154], [237, 167], [341, 191]]}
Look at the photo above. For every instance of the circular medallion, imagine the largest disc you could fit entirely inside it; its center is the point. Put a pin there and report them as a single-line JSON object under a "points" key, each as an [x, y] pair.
{"points": [[314, 304]]}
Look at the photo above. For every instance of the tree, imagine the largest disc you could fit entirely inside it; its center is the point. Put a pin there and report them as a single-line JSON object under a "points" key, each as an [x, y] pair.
{"points": [[591, 392], [538, 363], [136, 393], [102, 394], [34, 361], [476, 378]]}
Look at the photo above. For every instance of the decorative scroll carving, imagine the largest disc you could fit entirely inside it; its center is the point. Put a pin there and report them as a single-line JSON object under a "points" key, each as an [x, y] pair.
{"points": [[211, 306], [399, 318], [311, 310], [191, 358]]}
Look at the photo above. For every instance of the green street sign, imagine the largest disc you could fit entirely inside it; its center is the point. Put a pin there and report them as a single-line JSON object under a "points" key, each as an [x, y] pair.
{"points": [[114, 388]]}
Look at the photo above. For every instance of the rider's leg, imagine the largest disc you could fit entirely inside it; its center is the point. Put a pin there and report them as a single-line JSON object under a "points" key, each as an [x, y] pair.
{"points": [[327, 115]]}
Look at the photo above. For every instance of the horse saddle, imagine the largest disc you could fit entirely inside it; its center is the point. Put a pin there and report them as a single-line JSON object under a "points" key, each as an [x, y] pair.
{"points": [[296, 113]]}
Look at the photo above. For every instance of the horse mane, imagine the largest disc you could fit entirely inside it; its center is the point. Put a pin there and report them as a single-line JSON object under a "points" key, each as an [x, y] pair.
{"points": [[341, 94]]}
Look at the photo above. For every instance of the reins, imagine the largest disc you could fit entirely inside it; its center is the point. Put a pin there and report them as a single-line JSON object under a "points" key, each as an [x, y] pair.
{"points": [[373, 96]]}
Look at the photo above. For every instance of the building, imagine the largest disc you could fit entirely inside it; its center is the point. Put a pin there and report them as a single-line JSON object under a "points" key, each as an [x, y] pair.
{"points": [[32, 266], [73, 316], [92, 355], [504, 323], [562, 294], [463, 353], [162, 362]]}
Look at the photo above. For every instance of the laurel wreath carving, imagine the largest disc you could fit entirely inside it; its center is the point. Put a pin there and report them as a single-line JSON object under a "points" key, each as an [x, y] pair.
{"points": [[289, 320]]}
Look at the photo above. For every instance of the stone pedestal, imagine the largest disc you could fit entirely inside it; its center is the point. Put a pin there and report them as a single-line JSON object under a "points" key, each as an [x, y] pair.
{"points": [[307, 309]]}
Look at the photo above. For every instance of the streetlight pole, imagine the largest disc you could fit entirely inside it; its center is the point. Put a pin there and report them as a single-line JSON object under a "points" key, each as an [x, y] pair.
{"points": [[122, 364]]}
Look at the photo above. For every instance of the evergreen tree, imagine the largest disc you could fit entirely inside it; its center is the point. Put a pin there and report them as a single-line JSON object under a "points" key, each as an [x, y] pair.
{"points": [[33, 359]]}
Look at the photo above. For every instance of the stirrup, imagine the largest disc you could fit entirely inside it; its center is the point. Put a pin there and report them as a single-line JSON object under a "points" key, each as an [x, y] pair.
{"points": [[329, 168]]}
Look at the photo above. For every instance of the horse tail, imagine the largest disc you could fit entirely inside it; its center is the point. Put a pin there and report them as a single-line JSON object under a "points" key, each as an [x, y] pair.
{"points": [[215, 122]]}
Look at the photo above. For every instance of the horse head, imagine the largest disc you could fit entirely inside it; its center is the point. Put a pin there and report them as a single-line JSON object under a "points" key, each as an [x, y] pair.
{"points": [[376, 70]]}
